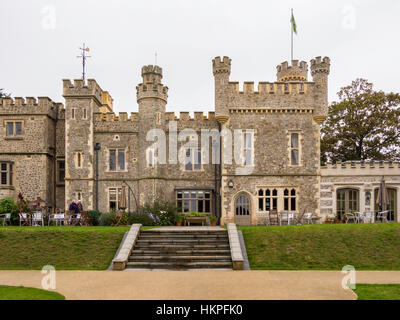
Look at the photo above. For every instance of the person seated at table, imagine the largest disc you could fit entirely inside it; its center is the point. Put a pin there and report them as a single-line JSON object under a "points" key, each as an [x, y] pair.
{"points": [[80, 206], [74, 207]]}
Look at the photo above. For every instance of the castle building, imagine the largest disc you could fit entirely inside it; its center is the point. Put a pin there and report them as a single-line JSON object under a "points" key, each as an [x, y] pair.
{"points": [[261, 150]]}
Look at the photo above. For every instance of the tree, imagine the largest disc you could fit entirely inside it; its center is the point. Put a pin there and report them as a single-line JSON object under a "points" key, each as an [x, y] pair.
{"points": [[363, 125], [3, 95]]}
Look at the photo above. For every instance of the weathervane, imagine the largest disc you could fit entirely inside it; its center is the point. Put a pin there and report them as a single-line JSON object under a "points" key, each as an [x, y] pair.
{"points": [[84, 57]]}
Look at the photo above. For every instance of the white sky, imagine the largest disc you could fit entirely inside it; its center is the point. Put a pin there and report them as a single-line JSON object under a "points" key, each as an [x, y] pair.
{"points": [[40, 40]]}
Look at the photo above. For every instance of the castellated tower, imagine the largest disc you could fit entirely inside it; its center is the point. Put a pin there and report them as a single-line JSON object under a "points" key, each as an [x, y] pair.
{"points": [[81, 101], [152, 98], [221, 71], [320, 69]]}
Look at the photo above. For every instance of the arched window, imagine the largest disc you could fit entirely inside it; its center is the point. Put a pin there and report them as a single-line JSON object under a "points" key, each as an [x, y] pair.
{"points": [[347, 201], [242, 206]]}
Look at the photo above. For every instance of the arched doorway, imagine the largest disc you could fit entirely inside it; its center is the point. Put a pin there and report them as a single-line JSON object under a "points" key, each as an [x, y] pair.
{"points": [[243, 210]]}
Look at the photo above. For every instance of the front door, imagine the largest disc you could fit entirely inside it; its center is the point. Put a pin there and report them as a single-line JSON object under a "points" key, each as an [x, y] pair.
{"points": [[242, 211]]}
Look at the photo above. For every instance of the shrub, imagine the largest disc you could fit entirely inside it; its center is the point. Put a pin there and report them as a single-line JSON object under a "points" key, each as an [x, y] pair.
{"points": [[106, 219], [7, 206], [163, 213], [142, 218], [94, 217], [123, 221]]}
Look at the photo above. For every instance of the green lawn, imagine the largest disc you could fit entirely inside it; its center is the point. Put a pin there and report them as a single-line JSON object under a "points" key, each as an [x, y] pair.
{"points": [[324, 247], [22, 293], [65, 248], [378, 291]]}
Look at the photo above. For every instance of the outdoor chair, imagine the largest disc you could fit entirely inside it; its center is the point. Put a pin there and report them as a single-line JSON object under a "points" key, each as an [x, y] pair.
{"points": [[68, 217], [24, 219], [284, 218], [6, 217], [76, 220], [308, 218], [86, 221], [267, 222], [37, 219], [368, 217], [351, 217], [273, 218], [383, 216], [291, 218], [58, 218]]}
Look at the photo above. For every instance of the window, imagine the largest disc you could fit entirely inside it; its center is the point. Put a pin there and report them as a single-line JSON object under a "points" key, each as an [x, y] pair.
{"points": [[14, 128], [151, 157], [61, 171], [117, 160], [281, 199], [6, 173], [85, 113], [248, 143], [347, 201], [301, 89], [114, 198], [267, 200], [78, 159], [193, 201], [158, 118], [295, 149], [289, 200], [73, 113], [78, 195], [193, 160]]}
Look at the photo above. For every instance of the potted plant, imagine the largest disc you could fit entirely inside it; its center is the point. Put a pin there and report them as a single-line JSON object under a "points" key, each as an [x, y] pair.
{"points": [[330, 219], [179, 219], [213, 220]]}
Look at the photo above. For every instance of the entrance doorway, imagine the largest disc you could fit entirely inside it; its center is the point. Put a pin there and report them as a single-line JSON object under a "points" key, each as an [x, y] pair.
{"points": [[243, 210]]}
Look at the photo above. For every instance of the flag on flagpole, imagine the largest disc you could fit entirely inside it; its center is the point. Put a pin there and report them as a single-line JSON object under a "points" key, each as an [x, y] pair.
{"points": [[294, 25]]}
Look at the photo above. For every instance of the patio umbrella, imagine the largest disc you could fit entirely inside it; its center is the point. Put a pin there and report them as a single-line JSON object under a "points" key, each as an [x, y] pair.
{"points": [[383, 198], [123, 203]]}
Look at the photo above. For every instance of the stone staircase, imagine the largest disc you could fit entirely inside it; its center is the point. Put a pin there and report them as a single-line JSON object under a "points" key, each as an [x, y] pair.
{"points": [[181, 249]]}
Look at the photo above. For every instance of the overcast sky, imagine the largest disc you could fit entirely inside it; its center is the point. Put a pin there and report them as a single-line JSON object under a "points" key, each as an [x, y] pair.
{"points": [[40, 40]]}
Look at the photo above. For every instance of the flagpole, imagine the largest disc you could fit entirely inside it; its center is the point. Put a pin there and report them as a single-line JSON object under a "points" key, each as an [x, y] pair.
{"points": [[291, 24]]}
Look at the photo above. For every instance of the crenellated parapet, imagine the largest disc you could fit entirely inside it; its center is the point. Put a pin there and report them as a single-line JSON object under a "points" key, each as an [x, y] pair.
{"points": [[152, 91], [271, 88], [29, 105], [320, 66], [121, 117], [185, 116], [350, 168], [81, 89], [221, 66], [294, 72]]}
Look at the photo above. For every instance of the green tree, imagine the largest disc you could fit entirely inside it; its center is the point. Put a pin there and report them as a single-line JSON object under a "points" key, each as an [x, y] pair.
{"points": [[363, 125]]}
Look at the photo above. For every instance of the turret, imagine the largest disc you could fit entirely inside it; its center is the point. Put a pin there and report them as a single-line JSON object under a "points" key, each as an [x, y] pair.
{"points": [[296, 72], [320, 69], [221, 71]]}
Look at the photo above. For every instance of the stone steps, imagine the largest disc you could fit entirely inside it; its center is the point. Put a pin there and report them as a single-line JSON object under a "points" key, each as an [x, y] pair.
{"points": [[179, 266], [183, 252], [181, 249]]}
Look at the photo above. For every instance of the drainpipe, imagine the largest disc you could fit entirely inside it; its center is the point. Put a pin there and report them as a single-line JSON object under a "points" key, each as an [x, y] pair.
{"points": [[97, 148], [55, 162], [218, 176]]}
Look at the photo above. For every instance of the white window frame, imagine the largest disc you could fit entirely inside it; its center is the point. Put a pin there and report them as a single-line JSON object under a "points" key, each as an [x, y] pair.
{"points": [[117, 200], [280, 198]]}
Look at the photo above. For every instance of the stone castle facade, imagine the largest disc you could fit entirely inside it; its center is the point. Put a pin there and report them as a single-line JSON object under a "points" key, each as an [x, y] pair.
{"points": [[83, 150]]}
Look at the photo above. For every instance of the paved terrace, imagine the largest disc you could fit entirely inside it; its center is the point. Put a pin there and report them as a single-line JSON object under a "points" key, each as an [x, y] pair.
{"points": [[201, 285]]}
